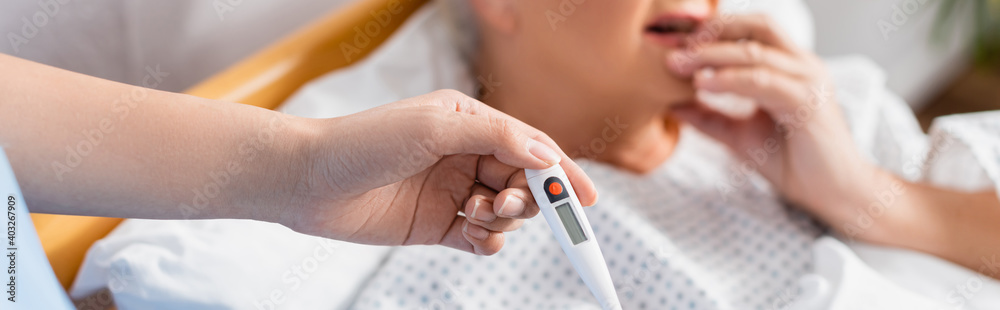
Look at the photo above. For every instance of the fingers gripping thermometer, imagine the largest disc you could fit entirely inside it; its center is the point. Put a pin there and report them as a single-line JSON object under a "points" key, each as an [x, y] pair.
{"points": [[563, 212]]}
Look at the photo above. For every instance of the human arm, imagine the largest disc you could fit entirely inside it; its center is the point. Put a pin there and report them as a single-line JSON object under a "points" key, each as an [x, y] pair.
{"points": [[955, 225], [811, 158], [82, 145]]}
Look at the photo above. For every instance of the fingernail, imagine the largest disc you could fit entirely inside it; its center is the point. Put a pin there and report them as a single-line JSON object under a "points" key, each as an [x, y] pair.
{"points": [[513, 206], [543, 152], [475, 231], [703, 77], [481, 216], [707, 73]]}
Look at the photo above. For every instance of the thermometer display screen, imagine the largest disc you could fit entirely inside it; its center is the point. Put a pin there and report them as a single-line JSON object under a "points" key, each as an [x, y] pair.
{"points": [[571, 223]]}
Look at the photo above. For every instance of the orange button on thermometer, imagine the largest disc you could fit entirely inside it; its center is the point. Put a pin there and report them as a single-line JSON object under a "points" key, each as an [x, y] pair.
{"points": [[555, 188]]}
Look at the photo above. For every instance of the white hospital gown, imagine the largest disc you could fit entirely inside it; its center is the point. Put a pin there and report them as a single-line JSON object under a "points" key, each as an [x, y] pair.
{"points": [[670, 238]]}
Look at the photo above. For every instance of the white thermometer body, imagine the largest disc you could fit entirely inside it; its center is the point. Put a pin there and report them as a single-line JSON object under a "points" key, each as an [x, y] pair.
{"points": [[564, 213]]}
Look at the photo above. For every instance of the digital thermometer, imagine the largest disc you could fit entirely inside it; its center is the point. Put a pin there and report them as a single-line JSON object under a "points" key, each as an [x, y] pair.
{"points": [[563, 212]]}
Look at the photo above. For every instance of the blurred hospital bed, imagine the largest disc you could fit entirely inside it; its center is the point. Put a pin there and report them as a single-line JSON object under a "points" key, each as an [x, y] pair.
{"points": [[265, 80]]}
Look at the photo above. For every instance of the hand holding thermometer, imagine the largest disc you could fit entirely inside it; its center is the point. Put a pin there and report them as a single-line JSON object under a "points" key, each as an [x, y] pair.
{"points": [[563, 212]]}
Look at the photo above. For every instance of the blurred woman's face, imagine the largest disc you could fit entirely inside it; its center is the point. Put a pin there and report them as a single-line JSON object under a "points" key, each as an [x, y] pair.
{"points": [[608, 48]]}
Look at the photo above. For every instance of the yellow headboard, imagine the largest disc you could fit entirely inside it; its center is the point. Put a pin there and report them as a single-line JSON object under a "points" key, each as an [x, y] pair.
{"points": [[265, 79]]}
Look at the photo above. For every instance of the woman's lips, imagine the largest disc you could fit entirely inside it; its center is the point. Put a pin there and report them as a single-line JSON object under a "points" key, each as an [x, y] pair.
{"points": [[670, 30]]}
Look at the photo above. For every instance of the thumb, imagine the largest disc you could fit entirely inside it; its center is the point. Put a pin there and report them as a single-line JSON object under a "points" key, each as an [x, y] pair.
{"points": [[511, 141], [713, 124], [519, 145], [471, 127], [735, 133], [475, 128]]}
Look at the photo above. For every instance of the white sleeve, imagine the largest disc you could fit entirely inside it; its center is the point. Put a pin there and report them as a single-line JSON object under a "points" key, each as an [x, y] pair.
{"points": [[965, 152], [961, 151], [882, 125]]}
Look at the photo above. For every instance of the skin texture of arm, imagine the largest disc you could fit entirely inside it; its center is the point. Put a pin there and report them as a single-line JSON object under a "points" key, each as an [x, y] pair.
{"points": [[404, 173], [958, 226], [85, 146]]}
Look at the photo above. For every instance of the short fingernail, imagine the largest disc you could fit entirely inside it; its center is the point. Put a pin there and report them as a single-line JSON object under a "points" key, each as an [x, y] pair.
{"points": [[484, 216], [513, 206], [543, 152], [707, 73], [475, 231], [703, 76]]}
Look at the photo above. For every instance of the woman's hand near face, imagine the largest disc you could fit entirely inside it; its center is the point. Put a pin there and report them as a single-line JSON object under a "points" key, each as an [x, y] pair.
{"points": [[797, 138], [800, 142]]}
